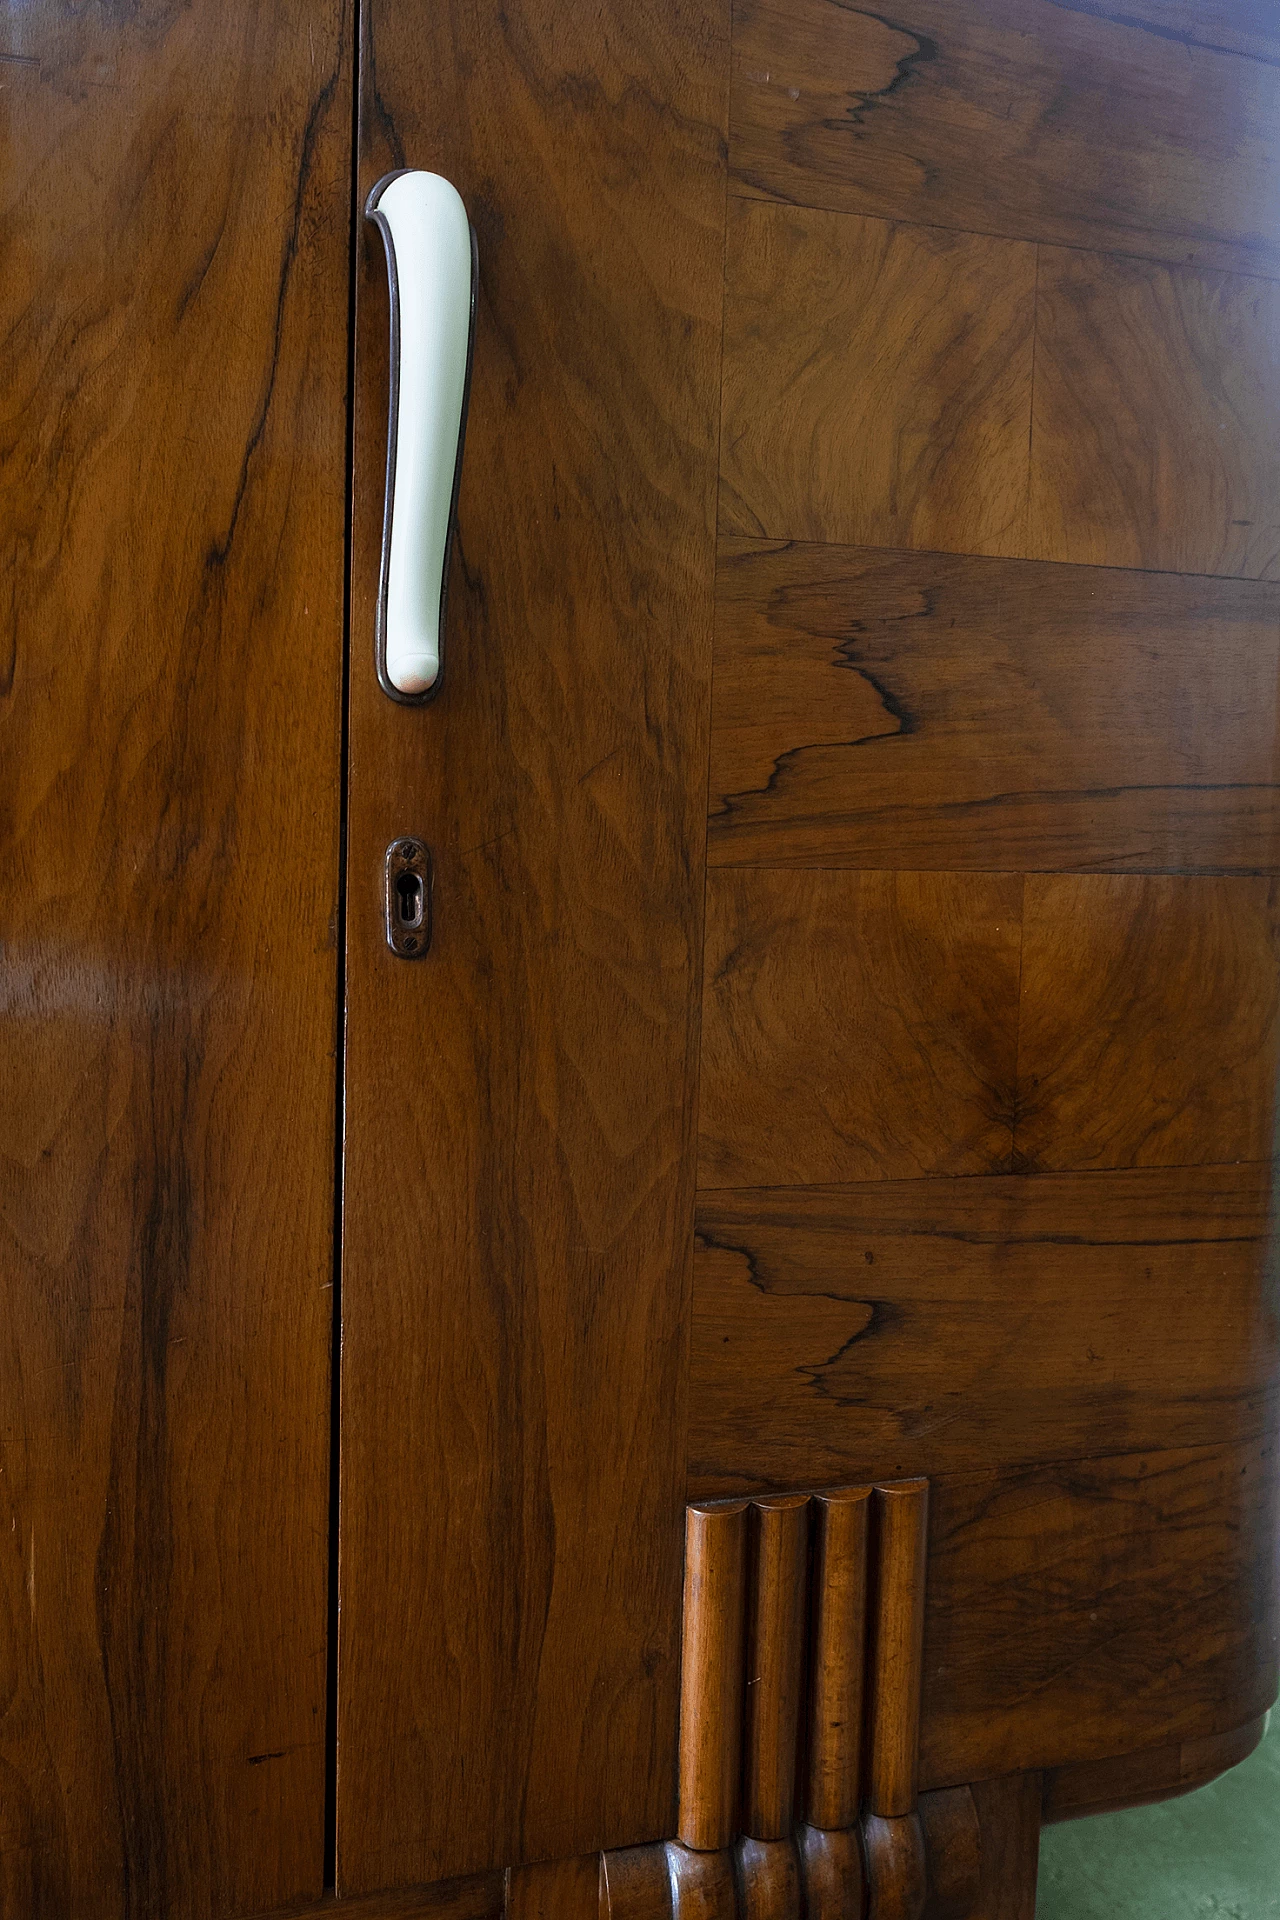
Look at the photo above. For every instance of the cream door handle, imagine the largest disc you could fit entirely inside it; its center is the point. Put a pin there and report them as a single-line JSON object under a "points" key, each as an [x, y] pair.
{"points": [[431, 268]]}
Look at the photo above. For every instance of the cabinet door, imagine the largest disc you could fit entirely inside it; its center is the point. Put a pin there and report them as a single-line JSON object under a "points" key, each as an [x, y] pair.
{"points": [[520, 1101], [175, 220]]}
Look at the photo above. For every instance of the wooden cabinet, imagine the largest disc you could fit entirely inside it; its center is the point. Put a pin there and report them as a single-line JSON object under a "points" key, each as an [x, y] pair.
{"points": [[744, 1377]]}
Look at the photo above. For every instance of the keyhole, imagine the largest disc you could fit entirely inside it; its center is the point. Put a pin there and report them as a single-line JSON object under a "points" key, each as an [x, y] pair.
{"points": [[406, 898], [409, 900]]}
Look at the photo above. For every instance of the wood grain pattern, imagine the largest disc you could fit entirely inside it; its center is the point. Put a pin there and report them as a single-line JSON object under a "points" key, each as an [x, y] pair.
{"points": [[635, 1884], [769, 1886], [865, 1025], [837, 1663], [1009, 1818], [835, 1886], [1150, 1021], [513, 1397], [555, 1890], [876, 382], [1075, 1610], [713, 1648], [1089, 125], [1057, 1594], [897, 1869], [1153, 1773], [901, 1515], [778, 1549], [953, 1847], [900, 386], [884, 709], [175, 200], [1084, 1362], [906, 1327], [857, 1026], [480, 1896], [702, 1884], [1156, 417]]}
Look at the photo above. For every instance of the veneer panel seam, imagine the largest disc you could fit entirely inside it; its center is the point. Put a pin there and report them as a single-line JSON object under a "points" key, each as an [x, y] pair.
{"points": [[1000, 1470], [771, 198], [1039, 1173], [999, 873], [784, 543]]}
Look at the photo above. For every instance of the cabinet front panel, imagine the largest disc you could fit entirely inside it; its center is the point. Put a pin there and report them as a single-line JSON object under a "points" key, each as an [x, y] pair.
{"points": [[175, 229]]}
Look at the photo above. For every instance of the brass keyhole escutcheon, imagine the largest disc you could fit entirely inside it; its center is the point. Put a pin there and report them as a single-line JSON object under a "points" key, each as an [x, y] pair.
{"points": [[408, 898]]}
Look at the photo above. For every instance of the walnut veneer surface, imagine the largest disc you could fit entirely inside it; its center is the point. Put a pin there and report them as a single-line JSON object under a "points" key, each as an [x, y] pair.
{"points": [[992, 984]]}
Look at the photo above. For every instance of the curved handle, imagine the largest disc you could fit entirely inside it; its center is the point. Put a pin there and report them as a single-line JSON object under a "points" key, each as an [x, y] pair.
{"points": [[431, 267]]}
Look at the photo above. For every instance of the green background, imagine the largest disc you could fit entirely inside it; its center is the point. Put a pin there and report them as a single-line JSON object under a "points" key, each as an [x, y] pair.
{"points": [[1212, 1855]]}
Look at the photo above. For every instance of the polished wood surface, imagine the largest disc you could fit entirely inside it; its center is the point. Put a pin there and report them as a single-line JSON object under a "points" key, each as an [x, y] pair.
{"points": [[843, 1331], [919, 1861], [901, 1519], [953, 1845], [635, 1884], [713, 1673], [943, 1862], [1037, 402], [555, 1890], [175, 210], [876, 382], [1009, 1819], [480, 1896], [1150, 1021], [1083, 124], [837, 1663], [778, 1546], [958, 421], [835, 1883], [1029, 1661], [515, 1294], [897, 1867], [895, 709], [862, 1025], [984, 370], [1094, 1607], [812, 1673], [988, 1030], [703, 1885], [980, 1848], [1154, 430], [857, 1025], [1151, 1774], [769, 1884]]}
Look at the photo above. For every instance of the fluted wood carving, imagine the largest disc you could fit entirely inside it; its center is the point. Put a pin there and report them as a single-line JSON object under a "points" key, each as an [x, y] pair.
{"points": [[715, 1596], [799, 1724]]}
